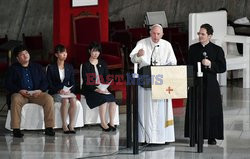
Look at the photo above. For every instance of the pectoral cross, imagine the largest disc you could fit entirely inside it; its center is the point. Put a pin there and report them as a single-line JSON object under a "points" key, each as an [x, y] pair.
{"points": [[154, 62], [169, 89]]}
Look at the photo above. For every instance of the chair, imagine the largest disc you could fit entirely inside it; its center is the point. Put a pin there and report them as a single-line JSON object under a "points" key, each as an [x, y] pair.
{"points": [[32, 117], [169, 32], [113, 55], [4, 60], [138, 34], [86, 29], [125, 39], [179, 43], [117, 25], [3, 39], [91, 116], [3, 53], [178, 53], [35, 46], [232, 48], [80, 54], [3, 70], [234, 61]]}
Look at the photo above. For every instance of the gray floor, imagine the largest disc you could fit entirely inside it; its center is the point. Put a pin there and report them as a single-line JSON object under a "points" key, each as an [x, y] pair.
{"points": [[90, 141]]}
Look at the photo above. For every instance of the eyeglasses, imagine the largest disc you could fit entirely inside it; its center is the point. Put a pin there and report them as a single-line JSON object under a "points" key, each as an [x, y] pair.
{"points": [[201, 34]]}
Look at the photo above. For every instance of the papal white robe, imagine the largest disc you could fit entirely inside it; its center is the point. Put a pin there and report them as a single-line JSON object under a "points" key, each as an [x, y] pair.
{"points": [[156, 123]]}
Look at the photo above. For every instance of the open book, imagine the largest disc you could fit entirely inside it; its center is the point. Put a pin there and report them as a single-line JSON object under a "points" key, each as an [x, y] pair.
{"points": [[66, 89], [32, 92], [104, 87], [70, 95]]}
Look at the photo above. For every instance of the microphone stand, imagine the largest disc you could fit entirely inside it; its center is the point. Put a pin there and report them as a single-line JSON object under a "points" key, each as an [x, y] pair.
{"points": [[151, 59]]}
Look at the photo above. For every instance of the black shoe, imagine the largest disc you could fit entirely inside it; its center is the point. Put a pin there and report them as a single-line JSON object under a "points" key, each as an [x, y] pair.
{"points": [[211, 142], [71, 131], [49, 132], [106, 130], [17, 133], [113, 128], [66, 132]]}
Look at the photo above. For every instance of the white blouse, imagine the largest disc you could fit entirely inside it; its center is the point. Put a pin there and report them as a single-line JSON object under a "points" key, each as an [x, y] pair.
{"points": [[61, 74]]}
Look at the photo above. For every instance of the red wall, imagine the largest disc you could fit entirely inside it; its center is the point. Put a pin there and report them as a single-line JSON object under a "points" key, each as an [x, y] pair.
{"points": [[62, 27]]}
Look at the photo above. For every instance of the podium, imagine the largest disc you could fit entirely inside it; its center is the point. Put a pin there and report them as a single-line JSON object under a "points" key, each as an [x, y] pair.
{"points": [[195, 95]]}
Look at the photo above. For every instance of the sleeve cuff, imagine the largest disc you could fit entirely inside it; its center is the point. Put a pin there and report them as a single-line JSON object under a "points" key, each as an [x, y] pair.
{"points": [[137, 59]]}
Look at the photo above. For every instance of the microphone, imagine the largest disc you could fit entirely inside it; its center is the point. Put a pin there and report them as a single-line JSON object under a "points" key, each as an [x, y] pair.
{"points": [[205, 57], [151, 59]]}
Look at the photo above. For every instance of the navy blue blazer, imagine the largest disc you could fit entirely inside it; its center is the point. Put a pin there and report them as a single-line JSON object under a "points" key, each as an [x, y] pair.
{"points": [[54, 80], [13, 81]]}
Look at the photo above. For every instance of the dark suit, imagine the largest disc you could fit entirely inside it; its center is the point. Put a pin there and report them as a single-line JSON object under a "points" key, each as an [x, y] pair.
{"points": [[14, 78], [54, 80]]}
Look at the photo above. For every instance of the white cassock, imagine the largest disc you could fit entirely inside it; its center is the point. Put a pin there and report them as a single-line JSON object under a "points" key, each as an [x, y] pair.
{"points": [[156, 123]]}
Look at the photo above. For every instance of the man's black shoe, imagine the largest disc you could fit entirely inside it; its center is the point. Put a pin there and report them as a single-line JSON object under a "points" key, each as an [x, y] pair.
{"points": [[211, 142], [49, 132], [17, 133]]}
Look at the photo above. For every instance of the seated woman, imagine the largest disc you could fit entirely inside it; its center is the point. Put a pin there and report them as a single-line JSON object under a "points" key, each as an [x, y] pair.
{"points": [[95, 72], [61, 74]]}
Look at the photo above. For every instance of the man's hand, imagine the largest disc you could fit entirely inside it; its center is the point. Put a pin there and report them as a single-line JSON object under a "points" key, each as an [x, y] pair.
{"points": [[140, 53], [24, 93], [37, 93], [206, 62]]}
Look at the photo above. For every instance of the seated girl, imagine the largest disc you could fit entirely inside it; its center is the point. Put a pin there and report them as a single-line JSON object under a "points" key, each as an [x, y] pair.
{"points": [[95, 72], [61, 85]]}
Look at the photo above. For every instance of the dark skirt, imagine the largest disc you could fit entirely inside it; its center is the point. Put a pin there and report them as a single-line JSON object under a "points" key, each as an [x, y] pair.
{"points": [[95, 99]]}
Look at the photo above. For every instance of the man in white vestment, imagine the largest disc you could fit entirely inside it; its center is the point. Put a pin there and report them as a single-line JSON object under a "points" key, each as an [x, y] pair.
{"points": [[156, 124]]}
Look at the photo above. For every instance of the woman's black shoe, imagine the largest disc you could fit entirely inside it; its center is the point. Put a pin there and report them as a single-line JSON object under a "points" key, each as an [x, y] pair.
{"points": [[113, 128], [106, 130], [71, 131], [66, 132]]}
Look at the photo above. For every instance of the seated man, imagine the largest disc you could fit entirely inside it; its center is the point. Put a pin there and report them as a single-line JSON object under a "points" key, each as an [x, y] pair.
{"points": [[26, 82]]}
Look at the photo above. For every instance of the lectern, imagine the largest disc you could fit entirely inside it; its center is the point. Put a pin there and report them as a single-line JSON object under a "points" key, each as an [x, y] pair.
{"points": [[195, 94]]}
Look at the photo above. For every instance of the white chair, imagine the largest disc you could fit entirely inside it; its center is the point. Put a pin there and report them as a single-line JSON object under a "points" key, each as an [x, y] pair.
{"points": [[91, 116], [235, 61], [232, 49], [32, 117]]}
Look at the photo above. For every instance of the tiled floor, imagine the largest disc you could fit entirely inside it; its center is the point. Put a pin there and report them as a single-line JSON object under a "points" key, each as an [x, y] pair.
{"points": [[90, 141]]}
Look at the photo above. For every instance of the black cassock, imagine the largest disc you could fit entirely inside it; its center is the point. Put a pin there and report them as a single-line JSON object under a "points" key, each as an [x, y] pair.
{"points": [[212, 111]]}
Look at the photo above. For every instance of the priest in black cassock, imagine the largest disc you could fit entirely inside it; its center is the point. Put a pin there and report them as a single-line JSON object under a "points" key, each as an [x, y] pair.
{"points": [[213, 61]]}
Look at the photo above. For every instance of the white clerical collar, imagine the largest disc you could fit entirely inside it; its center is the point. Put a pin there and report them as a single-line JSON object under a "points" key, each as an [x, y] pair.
{"points": [[205, 44], [153, 44]]}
